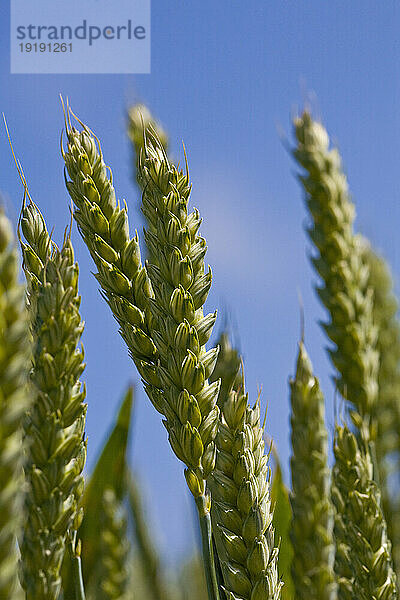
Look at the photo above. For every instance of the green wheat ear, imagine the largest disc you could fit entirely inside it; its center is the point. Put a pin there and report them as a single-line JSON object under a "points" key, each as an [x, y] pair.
{"points": [[104, 227], [312, 524], [387, 412], [159, 308], [363, 551], [242, 512], [340, 263], [55, 423], [14, 371], [181, 286]]}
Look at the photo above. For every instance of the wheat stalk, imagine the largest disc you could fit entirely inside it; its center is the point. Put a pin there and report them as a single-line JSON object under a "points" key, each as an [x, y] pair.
{"points": [[56, 420], [340, 264], [14, 401], [242, 513], [363, 555], [312, 523]]}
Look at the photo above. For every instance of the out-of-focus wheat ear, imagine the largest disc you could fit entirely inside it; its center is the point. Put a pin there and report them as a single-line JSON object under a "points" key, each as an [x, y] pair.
{"points": [[363, 564], [340, 263], [140, 119], [227, 368], [149, 559], [387, 410], [55, 422], [241, 508], [113, 551], [191, 582], [312, 522], [15, 360]]}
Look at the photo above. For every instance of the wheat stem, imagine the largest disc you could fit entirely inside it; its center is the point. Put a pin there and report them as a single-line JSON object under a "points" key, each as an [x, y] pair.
{"points": [[203, 511], [77, 570]]}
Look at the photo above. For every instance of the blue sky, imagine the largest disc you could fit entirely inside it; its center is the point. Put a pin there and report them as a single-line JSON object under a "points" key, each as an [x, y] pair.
{"points": [[226, 78]]}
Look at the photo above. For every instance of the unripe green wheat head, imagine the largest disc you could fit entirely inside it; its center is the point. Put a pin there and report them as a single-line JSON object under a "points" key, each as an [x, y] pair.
{"points": [[158, 308], [55, 423], [387, 410], [14, 401], [242, 512], [340, 263], [312, 523], [363, 563]]}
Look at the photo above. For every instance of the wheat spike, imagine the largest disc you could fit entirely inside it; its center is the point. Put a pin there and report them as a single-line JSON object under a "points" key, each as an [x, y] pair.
{"points": [[363, 552], [158, 308], [14, 401], [312, 523], [339, 262], [387, 411], [55, 423], [242, 512]]}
